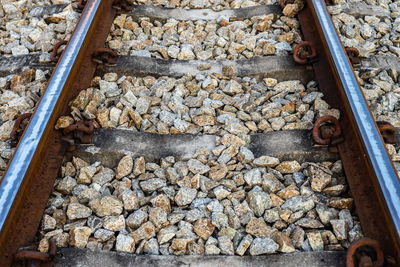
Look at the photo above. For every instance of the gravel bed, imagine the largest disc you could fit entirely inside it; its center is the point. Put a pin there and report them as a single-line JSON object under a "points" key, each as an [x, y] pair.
{"points": [[370, 34], [20, 35], [216, 5], [18, 95], [203, 104], [220, 39], [223, 202]]}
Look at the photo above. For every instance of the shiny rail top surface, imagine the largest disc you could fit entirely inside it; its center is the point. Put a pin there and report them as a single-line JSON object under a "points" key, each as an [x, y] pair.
{"points": [[383, 168], [28, 145]]}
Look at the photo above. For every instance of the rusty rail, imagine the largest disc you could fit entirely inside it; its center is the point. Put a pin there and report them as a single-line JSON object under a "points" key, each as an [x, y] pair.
{"points": [[371, 175], [28, 181]]}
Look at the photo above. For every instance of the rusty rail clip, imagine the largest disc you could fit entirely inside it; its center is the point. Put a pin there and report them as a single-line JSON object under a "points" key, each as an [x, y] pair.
{"points": [[105, 56], [328, 134], [304, 53], [363, 253], [55, 55], [353, 54], [387, 131], [122, 5], [36, 258], [79, 133], [81, 5], [18, 129]]}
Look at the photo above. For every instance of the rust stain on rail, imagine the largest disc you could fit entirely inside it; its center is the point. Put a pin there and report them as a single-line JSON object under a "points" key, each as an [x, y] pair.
{"points": [[371, 212], [24, 218]]}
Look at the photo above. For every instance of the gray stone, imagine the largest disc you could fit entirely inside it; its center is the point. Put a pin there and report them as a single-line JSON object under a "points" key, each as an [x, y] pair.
{"points": [[299, 203], [221, 192], [197, 167], [166, 234], [355, 233], [104, 176], [136, 219], [309, 223], [271, 184], [185, 196], [66, 185], [152, 185], [130, 200], [125, 243], [259, 202], [232, 88], [78, 211], [146, 231], [48, 223], [261, 246], [124, 167], [245, 155], [79, 236], [266, 161], [315, 240], [253, 177], [103, 234], [339, 229], [225, 245], [326, 214], [347, 217], [106, 205], [244, 245], [159, 217], [114, 223], [151, 247]]}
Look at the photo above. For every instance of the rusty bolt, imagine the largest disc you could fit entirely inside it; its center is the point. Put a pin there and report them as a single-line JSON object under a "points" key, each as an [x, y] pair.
{"points": [[304, 52], [359, 253], [55, 55], [17, 130], [387, 131], [324, 134], [353, 54]]}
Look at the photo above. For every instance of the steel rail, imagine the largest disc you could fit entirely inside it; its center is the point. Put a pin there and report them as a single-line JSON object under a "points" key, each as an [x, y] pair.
{"points": [[376, 151], [27, 182], [384, 176], [13, 178]]}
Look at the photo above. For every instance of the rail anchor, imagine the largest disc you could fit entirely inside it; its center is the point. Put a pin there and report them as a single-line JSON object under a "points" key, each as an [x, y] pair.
{"points": [[387, 131], [353, 53], [79, 133], [304, 53], [55, 55], [33, 257], [105, 56], [81, 5], [327, 131], [18, 128], [122, 5], [364, 253]]}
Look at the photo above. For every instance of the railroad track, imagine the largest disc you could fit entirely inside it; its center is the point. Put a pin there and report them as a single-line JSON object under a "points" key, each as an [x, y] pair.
{"points": [[162, 145]]}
